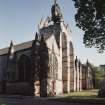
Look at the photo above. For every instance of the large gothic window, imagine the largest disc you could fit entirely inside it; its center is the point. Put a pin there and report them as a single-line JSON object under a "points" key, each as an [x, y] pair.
{"points": [[24, 67], [71, 56], [71, 67], [53, 66], [64, 62]]}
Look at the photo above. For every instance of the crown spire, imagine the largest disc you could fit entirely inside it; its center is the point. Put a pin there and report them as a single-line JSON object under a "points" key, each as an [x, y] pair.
{"points": [[56, 12], [55, 1]]}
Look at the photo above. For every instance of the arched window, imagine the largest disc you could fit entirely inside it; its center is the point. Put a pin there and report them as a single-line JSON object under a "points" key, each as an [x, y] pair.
{"points": [[72, 64], [24, 67], [71, 56], [53, 66], [64, 63]]}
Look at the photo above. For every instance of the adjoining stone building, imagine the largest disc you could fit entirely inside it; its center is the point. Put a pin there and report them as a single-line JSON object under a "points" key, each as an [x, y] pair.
{"points": [[44, 66], [83, 76]]}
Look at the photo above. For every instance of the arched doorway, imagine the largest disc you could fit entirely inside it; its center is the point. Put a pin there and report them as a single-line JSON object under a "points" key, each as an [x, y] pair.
{"points": [[64, 63], [24, 68]]}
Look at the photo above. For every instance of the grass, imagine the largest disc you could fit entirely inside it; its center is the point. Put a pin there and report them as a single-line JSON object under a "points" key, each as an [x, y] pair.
{"points": [[89, 96], [83, 94], [2, 104]]}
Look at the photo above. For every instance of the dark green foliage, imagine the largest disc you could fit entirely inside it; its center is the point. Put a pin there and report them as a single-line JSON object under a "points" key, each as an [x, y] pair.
{"points": [[98, 75], [90, 17]]}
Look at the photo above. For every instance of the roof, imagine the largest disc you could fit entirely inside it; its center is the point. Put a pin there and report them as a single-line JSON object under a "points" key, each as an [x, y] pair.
{"points": [[17, 47], [46, 31]]}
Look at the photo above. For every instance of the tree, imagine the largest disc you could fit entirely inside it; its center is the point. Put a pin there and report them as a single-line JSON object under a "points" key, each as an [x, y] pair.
{"points": [[90, 17], [97, 75]]}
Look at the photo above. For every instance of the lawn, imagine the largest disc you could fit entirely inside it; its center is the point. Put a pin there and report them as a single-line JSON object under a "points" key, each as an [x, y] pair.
{"points": [[88, 96], [2, 104]]}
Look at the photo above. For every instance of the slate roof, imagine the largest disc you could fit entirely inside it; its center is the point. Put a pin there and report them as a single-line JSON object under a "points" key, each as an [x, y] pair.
{"points": [[17, 47], [46, 31]]}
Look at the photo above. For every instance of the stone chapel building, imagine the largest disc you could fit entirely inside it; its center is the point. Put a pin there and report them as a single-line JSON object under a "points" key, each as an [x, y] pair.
{"points": [[44, 66]]}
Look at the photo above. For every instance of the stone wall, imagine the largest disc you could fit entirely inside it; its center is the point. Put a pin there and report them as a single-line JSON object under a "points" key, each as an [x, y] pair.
{"points": [[21, 88], [3, 71], [3, 65], [72, 69], [46, 65], [83, 76]]}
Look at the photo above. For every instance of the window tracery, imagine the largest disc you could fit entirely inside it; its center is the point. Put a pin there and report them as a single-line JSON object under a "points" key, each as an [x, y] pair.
{"points": [[53, 66]]}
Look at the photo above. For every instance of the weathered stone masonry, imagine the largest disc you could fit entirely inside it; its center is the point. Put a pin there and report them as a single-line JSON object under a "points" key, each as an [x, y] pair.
{"points": [[46, 65]]}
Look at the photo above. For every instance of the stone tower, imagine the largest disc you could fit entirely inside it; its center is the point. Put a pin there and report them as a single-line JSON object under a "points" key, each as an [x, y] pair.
{"points": [[57, 36]]}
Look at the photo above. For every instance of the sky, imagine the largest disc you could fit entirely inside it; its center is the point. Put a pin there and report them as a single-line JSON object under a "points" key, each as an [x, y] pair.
{"points": [[19, 21]]}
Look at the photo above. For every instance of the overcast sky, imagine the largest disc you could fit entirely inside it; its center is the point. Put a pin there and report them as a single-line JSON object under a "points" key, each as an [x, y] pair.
{"points": [[19, 21]]}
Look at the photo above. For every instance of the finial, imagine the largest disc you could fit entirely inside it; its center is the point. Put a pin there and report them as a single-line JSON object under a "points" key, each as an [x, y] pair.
{"points": [[11, 44], [79, 61], [11, 49], [36, 36], [87, 61]]}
